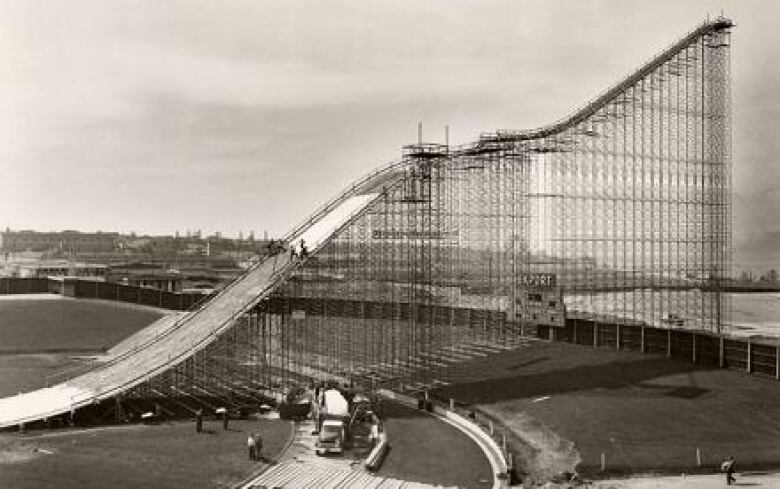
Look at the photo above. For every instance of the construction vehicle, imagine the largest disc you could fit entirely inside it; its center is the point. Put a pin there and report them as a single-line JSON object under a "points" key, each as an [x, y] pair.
{"points": [[333, 423]]}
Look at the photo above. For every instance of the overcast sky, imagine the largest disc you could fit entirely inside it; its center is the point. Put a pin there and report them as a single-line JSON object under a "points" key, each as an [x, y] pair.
{"points": [[157, 116]]}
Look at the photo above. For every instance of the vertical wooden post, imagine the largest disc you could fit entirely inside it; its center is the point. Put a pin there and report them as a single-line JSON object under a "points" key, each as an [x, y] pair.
{"points": [[617, 337], [603, 461], [595, 334], [698, 457], [574, 334], [721, 362], [452, 404], [668, 343], [117, 410], [777, 362], [642, 340], [693, 336], [749, 356]]}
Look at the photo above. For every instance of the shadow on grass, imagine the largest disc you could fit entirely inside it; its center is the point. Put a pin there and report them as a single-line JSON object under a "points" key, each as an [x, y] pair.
{"points": [[396, 410], [528, 363], [612, 375]]}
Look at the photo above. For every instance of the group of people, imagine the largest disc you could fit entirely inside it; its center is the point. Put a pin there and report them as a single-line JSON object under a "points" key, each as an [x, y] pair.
{"points": [[298, 250], [254, 441], [255, 445]]}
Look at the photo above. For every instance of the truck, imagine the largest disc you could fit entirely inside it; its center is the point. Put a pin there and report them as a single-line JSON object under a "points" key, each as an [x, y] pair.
{"points": [[333, 423]]}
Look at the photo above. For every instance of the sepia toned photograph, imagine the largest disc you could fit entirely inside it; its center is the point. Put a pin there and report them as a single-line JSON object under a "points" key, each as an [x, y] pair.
{"points": [[264, 244]]}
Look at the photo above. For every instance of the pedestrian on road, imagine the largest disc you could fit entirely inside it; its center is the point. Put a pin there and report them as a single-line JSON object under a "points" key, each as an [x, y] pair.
{"points": [[250, 444], [729, 466], [199, 420]]}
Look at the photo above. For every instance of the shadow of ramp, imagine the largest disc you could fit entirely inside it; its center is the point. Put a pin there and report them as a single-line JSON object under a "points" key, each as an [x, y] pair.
{"points": [[610, 375]]}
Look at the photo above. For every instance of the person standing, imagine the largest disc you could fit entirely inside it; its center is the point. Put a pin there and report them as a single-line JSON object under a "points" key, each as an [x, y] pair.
{"points": [[258, 445], [303, 252], [199, 420], [250, 444], [729, 466]]}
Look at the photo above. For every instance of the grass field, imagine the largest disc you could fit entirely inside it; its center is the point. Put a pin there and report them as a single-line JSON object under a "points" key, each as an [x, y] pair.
{"points": [[424, 449], [25, 372], [29, 327], [57, 322], [167, 456], [645, 413]]}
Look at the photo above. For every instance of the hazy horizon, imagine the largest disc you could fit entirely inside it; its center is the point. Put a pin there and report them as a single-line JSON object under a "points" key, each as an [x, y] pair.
{"points": [[240, 116]]}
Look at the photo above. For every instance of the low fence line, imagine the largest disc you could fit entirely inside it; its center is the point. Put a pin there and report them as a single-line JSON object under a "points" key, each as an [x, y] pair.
{"points": [[92, 289], [16, 285], [752, 355]]}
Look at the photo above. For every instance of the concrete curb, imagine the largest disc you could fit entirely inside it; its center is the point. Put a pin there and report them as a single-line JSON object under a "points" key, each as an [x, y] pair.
{"points": [[487, 444]]}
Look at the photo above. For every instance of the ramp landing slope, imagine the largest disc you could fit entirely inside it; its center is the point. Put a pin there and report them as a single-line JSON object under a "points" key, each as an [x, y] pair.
{"points": [[162, 345]]}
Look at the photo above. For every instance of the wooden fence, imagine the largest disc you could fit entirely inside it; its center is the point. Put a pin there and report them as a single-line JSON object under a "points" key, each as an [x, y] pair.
{"points": [[699, 347], [89, 289]]}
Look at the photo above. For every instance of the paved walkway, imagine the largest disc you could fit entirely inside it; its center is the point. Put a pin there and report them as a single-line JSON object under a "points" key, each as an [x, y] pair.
{"points": [[292, 474], [301, 468]]}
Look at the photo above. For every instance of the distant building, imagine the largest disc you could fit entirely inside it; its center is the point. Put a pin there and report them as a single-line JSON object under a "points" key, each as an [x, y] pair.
{"points": [[168, 282], [62, 268], [64, 241], [145, 274]]}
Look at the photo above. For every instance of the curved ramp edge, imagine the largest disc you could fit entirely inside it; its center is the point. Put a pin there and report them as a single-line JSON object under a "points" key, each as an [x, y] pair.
{"points": [[487, 444]]}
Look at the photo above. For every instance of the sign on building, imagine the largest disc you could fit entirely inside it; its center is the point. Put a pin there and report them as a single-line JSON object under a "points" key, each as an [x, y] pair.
{"points": [[299, 314], [539, 300]]}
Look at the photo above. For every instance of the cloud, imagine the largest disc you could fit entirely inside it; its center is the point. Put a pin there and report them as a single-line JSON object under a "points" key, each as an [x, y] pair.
{"points": [[246, 114]]}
